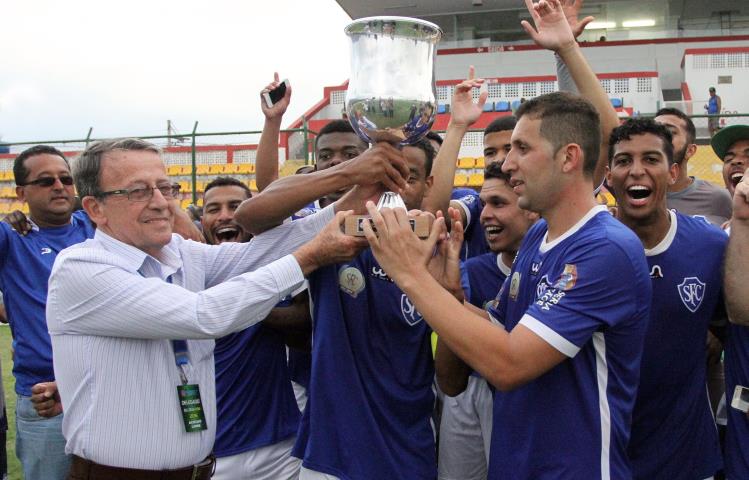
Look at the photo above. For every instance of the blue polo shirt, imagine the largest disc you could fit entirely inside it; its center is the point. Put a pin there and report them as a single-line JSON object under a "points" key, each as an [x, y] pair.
{"points": [[25, 265]]}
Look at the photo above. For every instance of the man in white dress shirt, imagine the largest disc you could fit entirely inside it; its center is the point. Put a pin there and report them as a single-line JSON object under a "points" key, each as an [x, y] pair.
{"points": [[133, 311]]}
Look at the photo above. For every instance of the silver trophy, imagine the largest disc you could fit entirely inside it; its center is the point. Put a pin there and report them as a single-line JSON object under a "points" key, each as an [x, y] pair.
{"points": [[391, 92]]}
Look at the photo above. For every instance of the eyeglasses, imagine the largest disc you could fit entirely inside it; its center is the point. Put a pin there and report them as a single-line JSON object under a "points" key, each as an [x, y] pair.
{"points": [[66, 180], [144, 194]]}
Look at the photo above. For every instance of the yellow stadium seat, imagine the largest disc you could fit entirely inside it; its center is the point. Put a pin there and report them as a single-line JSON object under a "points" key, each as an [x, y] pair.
{"points": [[466, 162], [231, 168], [476, 180], [480, 162], [174, 170], [216, 169], [202, 169], [461, 180], [6, 175], [200, 201], [200, 187], [244, 168], [253, 185], [184, 186], [185, 203]]}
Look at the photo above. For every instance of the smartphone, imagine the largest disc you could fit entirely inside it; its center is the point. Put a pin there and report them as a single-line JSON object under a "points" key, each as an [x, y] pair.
{"points": [[740, 399], [276, 94]]}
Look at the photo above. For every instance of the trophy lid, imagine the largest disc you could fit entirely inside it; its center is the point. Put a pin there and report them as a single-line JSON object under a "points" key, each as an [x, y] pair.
{"points": [[398, 26]]}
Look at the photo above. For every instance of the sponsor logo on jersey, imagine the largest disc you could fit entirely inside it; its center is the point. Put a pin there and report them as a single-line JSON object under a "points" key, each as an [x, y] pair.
{"points": [[547, 294], [656, 272], [692, 291], [379, 273], [468, 199], [410, 314], [535, 268], [351, 280], [46, 250], [514, 286]]}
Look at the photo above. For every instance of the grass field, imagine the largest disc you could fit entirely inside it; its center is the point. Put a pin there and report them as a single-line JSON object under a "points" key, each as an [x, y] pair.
{"points": [[14, 468]]}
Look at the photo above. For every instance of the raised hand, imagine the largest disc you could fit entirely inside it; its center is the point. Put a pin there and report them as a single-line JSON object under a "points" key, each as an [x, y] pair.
{"points": [[571, 9], [445, 264], [463, 111], [551, 28], [278, 108]]}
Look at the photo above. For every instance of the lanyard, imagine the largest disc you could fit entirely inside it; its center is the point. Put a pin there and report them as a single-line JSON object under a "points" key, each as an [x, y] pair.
{"points": [[181, 352]]}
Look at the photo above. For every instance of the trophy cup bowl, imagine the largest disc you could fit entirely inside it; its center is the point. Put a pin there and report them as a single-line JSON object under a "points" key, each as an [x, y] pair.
{"points": [[391, 93]]}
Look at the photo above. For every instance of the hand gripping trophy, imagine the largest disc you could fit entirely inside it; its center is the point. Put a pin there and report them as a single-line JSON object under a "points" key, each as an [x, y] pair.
{"points": [[391, 92]]}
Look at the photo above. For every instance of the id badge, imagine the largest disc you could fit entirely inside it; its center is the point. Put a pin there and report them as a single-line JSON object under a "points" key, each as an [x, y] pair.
{"points": [[192, 407]]}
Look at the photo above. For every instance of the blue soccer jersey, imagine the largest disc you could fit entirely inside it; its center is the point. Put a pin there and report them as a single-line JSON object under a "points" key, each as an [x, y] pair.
{"points": [[482, 278], [673, 431], [255, 401], [737, 431], [25, 265], [587, 294], [370, 403], [474, 242]]}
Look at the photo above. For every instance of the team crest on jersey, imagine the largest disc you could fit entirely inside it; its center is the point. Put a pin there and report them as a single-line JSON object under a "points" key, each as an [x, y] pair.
{"points": [[514, 285], [567, 279], [692, 291], [468, 199], [410, 314], [656, 272], [351, 280]]}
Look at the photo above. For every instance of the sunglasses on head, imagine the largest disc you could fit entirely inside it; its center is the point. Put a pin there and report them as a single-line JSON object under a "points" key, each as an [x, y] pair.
{"points": [[49, 181]]}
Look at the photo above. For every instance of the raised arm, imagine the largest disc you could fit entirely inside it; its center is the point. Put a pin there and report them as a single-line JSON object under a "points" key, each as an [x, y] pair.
{"points": [[464, 113], [381, 164], [266, 163], [736, 271], [553, 32]]}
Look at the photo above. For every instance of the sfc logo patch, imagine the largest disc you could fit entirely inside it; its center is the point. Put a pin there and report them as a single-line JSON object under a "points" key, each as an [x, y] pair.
{"points": [[351, 280], [409, 312], [692, 291]]}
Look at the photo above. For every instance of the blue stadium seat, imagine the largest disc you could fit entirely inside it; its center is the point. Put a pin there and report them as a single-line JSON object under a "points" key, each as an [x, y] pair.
{"points": [[441, 108], [617, 102], [515, 105], [489, 106], [502, 106]]}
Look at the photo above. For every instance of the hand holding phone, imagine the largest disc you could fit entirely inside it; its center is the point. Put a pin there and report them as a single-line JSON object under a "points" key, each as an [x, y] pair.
{"points": [[275, 97]]}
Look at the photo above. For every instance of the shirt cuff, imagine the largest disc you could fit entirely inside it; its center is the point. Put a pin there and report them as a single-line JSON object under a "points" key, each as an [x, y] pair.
{"points": [[287, 273], [324, 216], [549, 336]]}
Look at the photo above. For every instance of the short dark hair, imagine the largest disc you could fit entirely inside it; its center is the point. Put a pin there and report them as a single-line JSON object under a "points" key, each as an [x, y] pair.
{"points": [[567, 118], [494, 170], [87, 167], [641, 126], [711, 89], [21, 173], [227, 182], [432, 135], [691, 131], [429, 152], [335, 126], [501, 124]]}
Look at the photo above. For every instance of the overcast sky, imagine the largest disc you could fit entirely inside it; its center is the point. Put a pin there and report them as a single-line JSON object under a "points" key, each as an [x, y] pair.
{"points": [[124, 68]]}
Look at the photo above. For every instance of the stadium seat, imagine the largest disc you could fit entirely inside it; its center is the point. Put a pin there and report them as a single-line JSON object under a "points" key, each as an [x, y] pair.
{"points": [[480, 163], [502, 106], [185, 203], [466, 162], [461, 180], [216, 169], [174, 170], [515, 105], [476, 180], [617, 102], [253, 185], [245, 168], [489, 106], [184, 186], [202, 169], [200, 186], [231, 168], [441, 108]]}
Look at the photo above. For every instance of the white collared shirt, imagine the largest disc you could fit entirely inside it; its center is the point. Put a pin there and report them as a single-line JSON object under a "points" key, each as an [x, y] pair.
{"points": [[112, 315]]}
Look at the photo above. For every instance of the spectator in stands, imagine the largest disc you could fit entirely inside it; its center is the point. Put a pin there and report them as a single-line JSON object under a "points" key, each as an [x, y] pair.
{"points": [[690, 195], [731, 145], [566, 302], [121, 305], [371, 353], [252, 374], [685, 257], [43, 180], [714, 107], [465, 430]]}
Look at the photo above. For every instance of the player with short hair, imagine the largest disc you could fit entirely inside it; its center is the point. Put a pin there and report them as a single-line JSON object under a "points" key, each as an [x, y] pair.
{"points": [[673, 430]]}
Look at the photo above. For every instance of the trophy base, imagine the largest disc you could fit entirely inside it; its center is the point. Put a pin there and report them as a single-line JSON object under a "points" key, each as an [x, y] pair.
{"points": [[354, 225]]}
